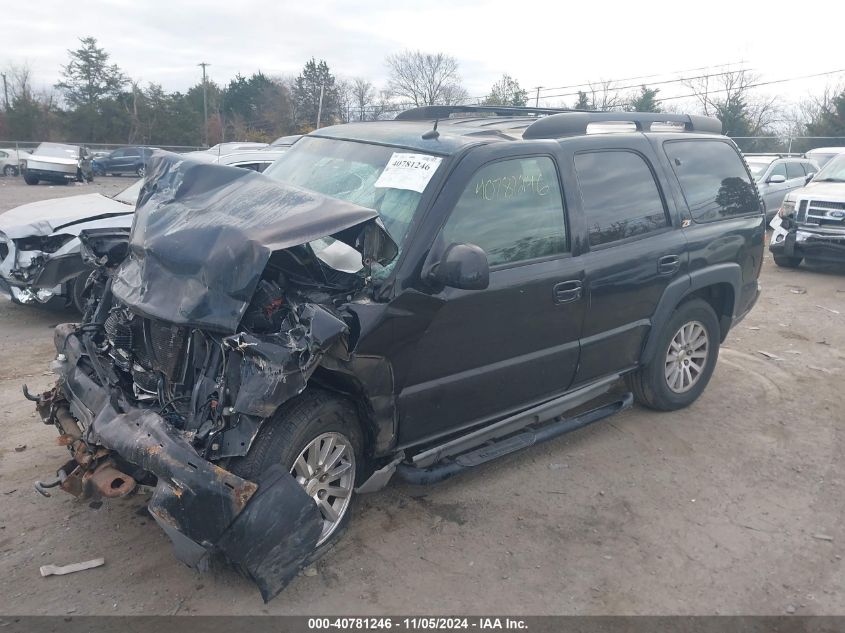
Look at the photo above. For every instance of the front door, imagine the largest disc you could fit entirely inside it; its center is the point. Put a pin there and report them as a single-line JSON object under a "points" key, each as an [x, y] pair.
{"points": [[485, 353]]}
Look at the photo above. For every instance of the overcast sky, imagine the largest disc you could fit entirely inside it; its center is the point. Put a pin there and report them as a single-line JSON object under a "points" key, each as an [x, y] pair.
{"points": [[550, 44]]}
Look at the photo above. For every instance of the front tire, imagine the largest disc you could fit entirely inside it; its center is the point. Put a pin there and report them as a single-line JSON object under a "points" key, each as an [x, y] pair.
{"points": [[10, 170], [317, 437], [687, 350], [785, 261], [30, 180], [76, 287]]}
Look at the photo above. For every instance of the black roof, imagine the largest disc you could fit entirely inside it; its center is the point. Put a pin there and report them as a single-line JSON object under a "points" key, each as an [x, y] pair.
{"points": [[482, 124]]}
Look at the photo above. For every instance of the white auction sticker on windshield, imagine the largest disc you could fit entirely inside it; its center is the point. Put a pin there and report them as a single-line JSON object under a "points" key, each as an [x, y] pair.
{"points": [[408, 171]]}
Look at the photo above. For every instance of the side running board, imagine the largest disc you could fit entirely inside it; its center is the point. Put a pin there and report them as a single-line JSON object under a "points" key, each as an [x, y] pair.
{"points": [[510, 444]]}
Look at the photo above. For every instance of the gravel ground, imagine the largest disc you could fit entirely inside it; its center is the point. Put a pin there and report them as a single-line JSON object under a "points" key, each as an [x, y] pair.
{"points": [[731, 506]]}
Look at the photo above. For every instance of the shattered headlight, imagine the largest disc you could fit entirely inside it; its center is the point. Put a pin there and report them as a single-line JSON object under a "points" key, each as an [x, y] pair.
{"points": [[787, 208], [45, 244]]}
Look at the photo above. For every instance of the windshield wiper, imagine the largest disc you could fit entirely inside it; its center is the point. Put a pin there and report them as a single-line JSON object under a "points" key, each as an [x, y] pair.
{"points": [[828, 179]]}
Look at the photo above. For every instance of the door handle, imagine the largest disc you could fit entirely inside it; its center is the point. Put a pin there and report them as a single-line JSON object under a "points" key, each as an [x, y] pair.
{"points": [[668, 264], [567, 291]]}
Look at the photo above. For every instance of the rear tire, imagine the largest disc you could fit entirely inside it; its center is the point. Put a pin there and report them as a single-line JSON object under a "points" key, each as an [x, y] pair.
{"points": [[687, 350], [10, 170], [785, 261], [30, 180], [294, 427]]}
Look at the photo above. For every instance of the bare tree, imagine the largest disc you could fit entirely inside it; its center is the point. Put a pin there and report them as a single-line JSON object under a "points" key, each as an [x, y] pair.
{"points": [[363, 94], [19, 81], [727, 96], [808, 111], [425, 79], [604, 95]]}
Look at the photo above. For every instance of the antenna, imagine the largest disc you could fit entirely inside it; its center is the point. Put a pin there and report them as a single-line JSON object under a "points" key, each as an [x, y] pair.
{"points": [[432, 133]]}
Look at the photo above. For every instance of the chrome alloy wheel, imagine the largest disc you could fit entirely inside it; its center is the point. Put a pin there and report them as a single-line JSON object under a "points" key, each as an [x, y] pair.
{"points": [[686, 357], [326, 470]]}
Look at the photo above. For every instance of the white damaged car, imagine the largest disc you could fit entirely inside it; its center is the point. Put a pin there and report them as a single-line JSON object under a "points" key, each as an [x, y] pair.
{"points": [[40, 248], [57, 163]]}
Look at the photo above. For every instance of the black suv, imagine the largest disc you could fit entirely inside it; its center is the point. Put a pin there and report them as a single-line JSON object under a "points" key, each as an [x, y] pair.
{"points": [[126, 160], [411, 298]]}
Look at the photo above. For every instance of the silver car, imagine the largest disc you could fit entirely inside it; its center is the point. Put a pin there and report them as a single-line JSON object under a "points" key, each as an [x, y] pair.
{"points": [[40, 248], [777, 175], [10, 159]]}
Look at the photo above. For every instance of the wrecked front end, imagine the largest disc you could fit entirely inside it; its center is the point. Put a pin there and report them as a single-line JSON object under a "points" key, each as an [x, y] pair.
{"points": [[32, 269], [40, 248], [197, 329], [812, 229]]}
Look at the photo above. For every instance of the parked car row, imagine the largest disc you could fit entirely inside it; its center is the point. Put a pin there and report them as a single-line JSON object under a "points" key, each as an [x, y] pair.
{"points": [[40, 249]]}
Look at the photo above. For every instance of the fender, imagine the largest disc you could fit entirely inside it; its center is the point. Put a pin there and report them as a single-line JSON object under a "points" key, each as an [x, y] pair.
{"points": [[728, 272]]}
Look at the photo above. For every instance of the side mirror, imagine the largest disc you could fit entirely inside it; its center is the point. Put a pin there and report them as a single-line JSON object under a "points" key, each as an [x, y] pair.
{"points": [[809, 178], [776, 179], [463, 266]]}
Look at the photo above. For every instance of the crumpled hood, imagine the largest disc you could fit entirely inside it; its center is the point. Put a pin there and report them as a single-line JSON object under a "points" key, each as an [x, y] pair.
{"points": [[42, 218], [203, 235]]}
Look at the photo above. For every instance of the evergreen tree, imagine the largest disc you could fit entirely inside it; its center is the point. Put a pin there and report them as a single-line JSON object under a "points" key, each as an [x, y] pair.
{"points": [[306, 96], [645, 101], [88, 82], [583, 103]]}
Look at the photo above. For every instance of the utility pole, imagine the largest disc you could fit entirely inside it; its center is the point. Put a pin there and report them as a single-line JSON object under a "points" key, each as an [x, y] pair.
{"points": [[320, 106], [5, 91], [204, 104], [537, 98]]}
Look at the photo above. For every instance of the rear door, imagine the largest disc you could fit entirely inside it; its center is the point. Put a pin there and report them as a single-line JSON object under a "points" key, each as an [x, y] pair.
{"points": [[725, 226], [483, 354], [636, 250]]}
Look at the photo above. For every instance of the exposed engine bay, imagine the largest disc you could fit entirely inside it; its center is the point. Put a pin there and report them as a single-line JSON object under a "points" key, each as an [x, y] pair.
{"points": [[198, 326]]}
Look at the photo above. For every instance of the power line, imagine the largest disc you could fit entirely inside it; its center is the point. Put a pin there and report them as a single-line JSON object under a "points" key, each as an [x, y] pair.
{"points": [[651, 83], [570, 94], [675, 72], [761, 83]]}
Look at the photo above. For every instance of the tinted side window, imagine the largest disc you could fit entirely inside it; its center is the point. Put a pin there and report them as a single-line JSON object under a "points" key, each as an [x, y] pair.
{"points": [[118, 153], [620, 196], [513, 210], [794, 170], [713, 179], [778, 170]]}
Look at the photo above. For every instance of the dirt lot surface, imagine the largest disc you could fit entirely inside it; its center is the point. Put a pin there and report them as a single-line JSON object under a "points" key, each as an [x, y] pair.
{"points": [[732, 506]]}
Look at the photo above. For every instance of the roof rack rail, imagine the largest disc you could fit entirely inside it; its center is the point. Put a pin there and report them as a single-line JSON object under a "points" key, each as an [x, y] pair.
{"points": [[425, 113], [576, 123]]}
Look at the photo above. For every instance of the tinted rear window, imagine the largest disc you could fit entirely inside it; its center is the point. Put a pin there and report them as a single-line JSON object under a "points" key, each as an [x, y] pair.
{"points": [[713, 179]]}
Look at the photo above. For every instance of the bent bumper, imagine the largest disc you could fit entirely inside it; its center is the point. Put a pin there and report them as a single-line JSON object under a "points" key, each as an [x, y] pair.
{"points": [[55, 176], [826, 246], [266, 528]]}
